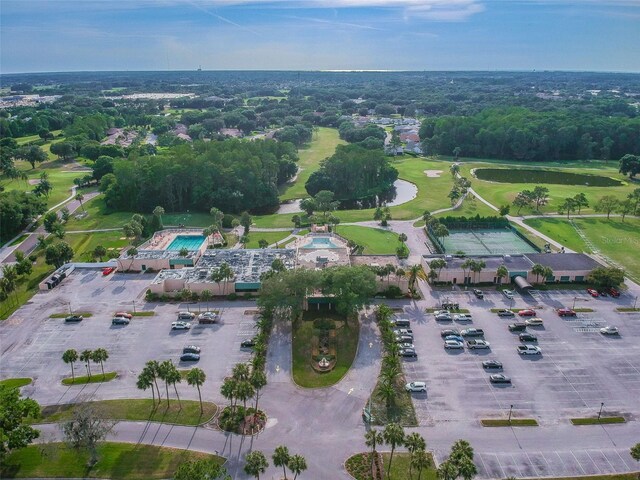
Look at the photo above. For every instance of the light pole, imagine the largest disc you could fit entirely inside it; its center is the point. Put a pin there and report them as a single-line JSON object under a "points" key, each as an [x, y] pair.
{"points": [[510, 410], [635, 302], [600, 412], [134, 306], [574, 303], [70, 312]]}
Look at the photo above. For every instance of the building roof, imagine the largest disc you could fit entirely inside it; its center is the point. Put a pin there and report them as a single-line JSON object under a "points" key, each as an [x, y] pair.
{"points": [[564, 261], [248, 265], [512, 262]]}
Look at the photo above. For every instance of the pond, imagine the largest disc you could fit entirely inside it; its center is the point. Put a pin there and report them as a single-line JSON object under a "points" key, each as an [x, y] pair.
{"points": [[522, 175]]}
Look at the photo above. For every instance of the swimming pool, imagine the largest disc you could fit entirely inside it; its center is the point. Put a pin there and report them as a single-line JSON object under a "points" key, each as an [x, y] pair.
{"points": [[321, 242], [190, 242]]}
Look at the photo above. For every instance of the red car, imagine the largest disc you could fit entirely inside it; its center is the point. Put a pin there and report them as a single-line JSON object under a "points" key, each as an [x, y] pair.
{"points": [[124, 315], [592, 292], [566, 312], [613, 292], [527, 313], [107, 270]]}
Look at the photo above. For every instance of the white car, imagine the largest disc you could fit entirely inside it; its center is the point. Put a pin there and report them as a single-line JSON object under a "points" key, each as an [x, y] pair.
{"points": [[473, 344], [416, 387], [609, 330], [180, 326], [407, 345], [444, 317], [529, 350], [534, 322], [462, 317], [441, 312], [508, 293], [453, 344]]}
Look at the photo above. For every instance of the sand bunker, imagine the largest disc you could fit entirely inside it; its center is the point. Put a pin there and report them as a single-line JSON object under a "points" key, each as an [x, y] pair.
{"points": [[433, 173], [34, 181]]}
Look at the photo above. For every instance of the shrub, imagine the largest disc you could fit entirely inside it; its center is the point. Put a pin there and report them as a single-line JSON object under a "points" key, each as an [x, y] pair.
{"points": [[226, 221], [33, 257], [324, 324], [393, 291], [232, 296], [151, 296]]}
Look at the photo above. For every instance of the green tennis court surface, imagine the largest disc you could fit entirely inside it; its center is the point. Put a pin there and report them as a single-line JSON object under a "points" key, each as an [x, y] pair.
{"points": [[486, 242]]}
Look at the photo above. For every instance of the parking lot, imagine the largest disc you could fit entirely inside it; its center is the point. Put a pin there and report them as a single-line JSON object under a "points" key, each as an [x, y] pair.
{"points": [[32, 343], [578, 370]]}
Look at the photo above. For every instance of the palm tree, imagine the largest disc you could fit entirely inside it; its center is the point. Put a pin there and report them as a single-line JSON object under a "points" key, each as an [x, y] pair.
{"points": [[68, 357], [466, 266], [228, 389], [244, 391], [403, 237], [415, 272], [414, 443], [100, 355], [420, 460], [390, 372], [393, 436], [477, 267], [281, 458], [502, 272], [85, 356], [80, 197], [466, 468], [153, 367], [256, 463], [372, 439], [174, 377], [240, 371], [158, 212], [447, 470], [258, 381], [196, 378], [226, 274], [547, 273], [388, 392], [455, 168], [145, 380], [297, 465], [164, 374], [537, 270]]}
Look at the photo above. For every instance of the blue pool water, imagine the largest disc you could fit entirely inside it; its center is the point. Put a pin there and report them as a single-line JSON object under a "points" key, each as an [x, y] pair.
{"points": [[321, 242], [190, 242]]}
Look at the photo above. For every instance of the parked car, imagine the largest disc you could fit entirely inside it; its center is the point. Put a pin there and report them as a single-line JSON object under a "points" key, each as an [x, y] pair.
{"points": [[613, 292], [408, 352], [440, 312], [123, 315], [108, 270], [566, 312], [508, 293], [401, 322], [120, 321], [180, 326], [527, 337], [527, 313], [456, 338], [403, 331], [186, 315], [602, 292], [517, 327], [248, 343], [534, 322], [529, 350], [492, 365], [191, 349], [444, 317], [407, 345], [208, 317], [503, 312], [609, 330], [453, 344], [74, 318], [473, 344], [449, 331], [189, 357], [472, 332], [462, 317], [416, 387], [404, 338], [499, 378], [592, 292], [478, 293]]}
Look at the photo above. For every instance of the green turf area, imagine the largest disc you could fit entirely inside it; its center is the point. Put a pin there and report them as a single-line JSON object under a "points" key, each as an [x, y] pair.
{"points": [[346, 345], [95, 378], [544, 176], [374, 240], [322, 145], [66, 314], [514, 422], [359, 466], [83, 244], [140, 410], [19, 240], [504, 193], [597, 421], [614, 238], [270, 237], [143, 314], [628, 309], [116, 461], [15, 382], [61, 181]]}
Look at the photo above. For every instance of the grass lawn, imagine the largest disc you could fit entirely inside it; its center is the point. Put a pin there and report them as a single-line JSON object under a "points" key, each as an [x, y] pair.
{"points": [[84, 243], [61, 181], [614, 238], [401, 411], [19, 240], [375, 241], [515, 422], [15, 382], [115, 461], [346, 346], [359, 466], [95, 378], [596, 421], [322, 146], [66, 314], [139, 410], [270, 237]]}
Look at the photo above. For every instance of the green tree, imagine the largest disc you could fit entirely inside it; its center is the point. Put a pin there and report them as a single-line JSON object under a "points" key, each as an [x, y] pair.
{"points": [[373, 438], [569, 206], [523, 199], [80, 197], [351, 287], [281, 458], [145, 381], [85, 356], [86, 430], [15, 432], [605, 277], [258, 382], [228, 389], [245, 221], [441, 231], [447, 471], [69, 357], [420, 460], [635, 452], [581, 201], [414, 274], [308, 205], [297, 464], [65, 214], [255, 464], [540, 196], [173, 377], [99, 252], [100, 355], [414, 443], [502, 272], [393, 435], [196, 378], [32, 154], [201, 470], [630, 164], [454, 169], [635, 198], [456, 152], [607, 204], [504, 210], [262, 243], [296, 220], [538, 270], [165, 374], [217, 217], [625, 207], [476, 267]]}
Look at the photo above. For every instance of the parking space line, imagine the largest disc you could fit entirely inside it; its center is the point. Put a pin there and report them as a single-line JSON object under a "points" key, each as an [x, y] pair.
{"points": [[535, 467], [592, 461], [578, 462], [626, 465]]}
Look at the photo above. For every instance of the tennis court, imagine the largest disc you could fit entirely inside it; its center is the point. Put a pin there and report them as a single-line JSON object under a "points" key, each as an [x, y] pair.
{"points": [[483, 242]]}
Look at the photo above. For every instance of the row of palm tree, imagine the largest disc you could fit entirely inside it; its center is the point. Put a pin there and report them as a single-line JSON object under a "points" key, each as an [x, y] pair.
{"points": [[391, 367], [169, 373], [459, 464], [245, 383], [394, 436], [99, 355], [256, 462]]}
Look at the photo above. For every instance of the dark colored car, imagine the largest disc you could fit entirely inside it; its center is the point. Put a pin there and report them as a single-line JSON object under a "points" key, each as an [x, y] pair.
{"points": [[189, 357], [517, 327], [74, 318], [478, 293], [248, 343], [191, 349], [527, 337], [505, 313], [408, 352], [120, 321], [401, 322], [492, 365], [499, 378], [449, 331], [602, 292]]}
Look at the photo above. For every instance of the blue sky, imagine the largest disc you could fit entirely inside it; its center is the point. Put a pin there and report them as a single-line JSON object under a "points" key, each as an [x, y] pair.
{"points": [[71, 35]]}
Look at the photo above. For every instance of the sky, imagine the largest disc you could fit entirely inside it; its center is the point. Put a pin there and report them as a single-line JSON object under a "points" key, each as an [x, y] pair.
{"points": [[82, 35]]}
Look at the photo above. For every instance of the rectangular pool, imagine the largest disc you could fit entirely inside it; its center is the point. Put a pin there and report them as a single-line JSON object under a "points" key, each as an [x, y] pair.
{"points": [[190, 242], [320, 242]]}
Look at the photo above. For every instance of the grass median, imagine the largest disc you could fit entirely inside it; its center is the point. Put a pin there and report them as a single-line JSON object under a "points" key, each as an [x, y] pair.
{"points": [[15, 382], [97, 378], [65, 315], [514, 422], [597, 421]]}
